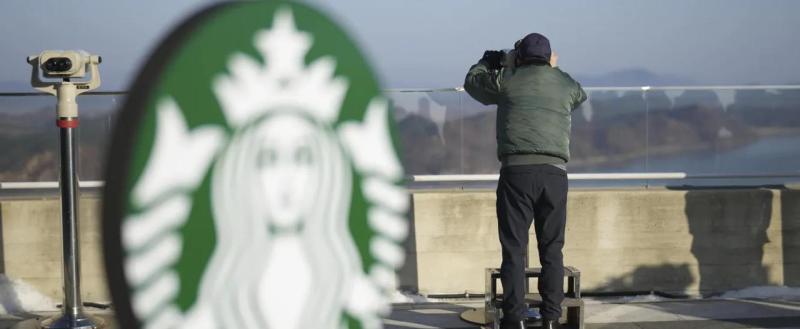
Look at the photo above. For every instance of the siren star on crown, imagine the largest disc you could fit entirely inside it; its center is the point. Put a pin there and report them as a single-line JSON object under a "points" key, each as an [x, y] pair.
{"points": [[283, 82]]}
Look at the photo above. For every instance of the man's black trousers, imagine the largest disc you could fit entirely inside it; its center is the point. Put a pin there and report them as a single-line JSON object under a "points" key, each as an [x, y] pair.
{"points": [[538, 194]]}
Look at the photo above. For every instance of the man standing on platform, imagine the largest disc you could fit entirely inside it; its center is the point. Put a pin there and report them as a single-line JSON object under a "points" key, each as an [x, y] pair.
{"points": [[535, 100]]}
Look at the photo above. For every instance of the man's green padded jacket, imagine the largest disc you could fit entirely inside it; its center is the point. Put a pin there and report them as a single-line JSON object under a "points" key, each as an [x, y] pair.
{"points": [[534, 106]]}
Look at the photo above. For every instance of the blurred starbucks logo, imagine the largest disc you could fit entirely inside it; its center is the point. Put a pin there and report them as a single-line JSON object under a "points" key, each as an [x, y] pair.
{"points": [[253, 180]]}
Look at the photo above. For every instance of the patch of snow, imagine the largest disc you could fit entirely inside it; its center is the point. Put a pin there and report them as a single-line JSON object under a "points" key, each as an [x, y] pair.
{"points": [[626, 299], [404, 297], [18, 297], [643, 298], [764, 292]]}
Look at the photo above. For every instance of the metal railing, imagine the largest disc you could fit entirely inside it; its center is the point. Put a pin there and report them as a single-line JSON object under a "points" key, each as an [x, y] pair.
{"points": [[482, 178], [461, 89], [89, 93], [626, 88], [608, 176], [45, 185]]}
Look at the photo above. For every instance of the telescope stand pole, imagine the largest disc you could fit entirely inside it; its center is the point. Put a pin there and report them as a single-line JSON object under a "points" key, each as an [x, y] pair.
{"points": [[72, 316]]}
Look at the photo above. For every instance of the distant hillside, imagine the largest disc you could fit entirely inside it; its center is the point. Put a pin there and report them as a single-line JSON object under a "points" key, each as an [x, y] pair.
{"points": [[632, 77]]}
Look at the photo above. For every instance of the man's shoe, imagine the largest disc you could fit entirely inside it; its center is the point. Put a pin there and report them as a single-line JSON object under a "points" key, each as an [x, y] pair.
{"points": [[550, 324], [513, 325]]}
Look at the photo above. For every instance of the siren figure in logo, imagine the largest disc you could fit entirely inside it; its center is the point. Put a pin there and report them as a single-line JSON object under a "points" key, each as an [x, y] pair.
{"points": [[281, 197], [281, 191]]}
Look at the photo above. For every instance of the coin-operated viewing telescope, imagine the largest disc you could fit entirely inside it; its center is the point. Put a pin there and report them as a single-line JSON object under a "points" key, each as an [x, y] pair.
{"points": [[58, 68], [53, 73]]}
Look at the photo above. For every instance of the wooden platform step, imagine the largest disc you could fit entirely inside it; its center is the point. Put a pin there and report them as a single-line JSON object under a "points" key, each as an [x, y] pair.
{"points": [[535, 300], [535, 272], [573, 304]]}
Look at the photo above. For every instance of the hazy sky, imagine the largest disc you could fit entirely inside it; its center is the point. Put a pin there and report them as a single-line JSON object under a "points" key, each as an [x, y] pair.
{"points": [[415, 43]]}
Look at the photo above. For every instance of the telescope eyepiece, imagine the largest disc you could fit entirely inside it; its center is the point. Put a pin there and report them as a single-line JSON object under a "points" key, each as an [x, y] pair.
{"points": [[58, 64]]}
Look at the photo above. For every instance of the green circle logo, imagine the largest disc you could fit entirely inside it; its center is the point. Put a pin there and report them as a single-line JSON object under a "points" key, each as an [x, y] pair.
{"points": [[253, 179]]}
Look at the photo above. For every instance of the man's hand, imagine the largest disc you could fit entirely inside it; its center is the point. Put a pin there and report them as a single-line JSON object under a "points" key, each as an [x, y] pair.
{"points": [[493, 59], [553, 59]]}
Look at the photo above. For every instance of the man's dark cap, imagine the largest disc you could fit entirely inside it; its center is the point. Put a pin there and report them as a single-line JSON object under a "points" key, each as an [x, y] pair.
{"points": [[534, 47]]}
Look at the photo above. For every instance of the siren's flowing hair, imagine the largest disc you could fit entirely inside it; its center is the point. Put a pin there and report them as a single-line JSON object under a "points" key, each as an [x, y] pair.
{"points": [[243, 243]]}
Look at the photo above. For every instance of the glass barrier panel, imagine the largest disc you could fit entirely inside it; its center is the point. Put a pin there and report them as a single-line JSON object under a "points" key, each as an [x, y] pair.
{"points": [[724, 132], [97, 113], [29, 137], [695, 131], [609, 133], [429, 129], [480, 137]]}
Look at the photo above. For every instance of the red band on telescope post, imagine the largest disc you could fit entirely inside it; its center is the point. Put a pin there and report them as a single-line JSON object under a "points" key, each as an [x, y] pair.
{"points": [[67, 123]]}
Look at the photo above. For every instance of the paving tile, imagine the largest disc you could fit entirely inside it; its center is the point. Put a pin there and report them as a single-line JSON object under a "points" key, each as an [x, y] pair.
{"points": [[680, 314], [435, 311]]}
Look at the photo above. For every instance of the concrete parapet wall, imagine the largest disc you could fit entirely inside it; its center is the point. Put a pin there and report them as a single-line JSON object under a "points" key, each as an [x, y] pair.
{"points": [[687, 241], [681, 241], [31, 246]]}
